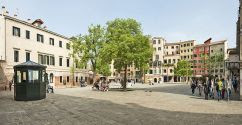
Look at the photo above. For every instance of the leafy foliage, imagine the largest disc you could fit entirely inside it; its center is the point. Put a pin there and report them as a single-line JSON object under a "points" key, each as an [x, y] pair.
{"points": [[88, 48], [126, 45], [183, 69]]}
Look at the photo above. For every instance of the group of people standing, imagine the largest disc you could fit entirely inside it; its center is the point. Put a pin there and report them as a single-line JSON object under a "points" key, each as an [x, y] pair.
{"points": [[101, 84], [212, 87]]}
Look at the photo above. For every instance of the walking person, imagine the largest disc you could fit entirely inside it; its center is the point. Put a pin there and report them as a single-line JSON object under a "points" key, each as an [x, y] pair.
{"points": [[206, 88], [200, 87], [228, 88], [235, 84], [219, 88], [193, 86], [223, 88], [211, 88]]}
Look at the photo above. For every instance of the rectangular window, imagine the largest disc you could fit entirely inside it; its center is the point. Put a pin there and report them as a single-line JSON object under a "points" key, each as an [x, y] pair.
{"points": [[27, 34], [48, 60], [16, 31], [67, 79], [174, 60], [60, 44], [67, 62], [67, 46], [33, 76], [52, 60], [52, 41], [157, 57], [169, 61], [60, 61], [27, 56], [60, 79], [154, 42], [40, 38], [16, 56], [151, 71]]}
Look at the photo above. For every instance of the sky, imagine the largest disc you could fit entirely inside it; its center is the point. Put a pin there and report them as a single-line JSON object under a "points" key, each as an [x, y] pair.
{"points": [[173, 20]]}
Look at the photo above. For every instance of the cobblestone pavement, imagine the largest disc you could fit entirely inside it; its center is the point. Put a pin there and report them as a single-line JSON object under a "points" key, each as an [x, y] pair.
{"points": [[144, 105]]}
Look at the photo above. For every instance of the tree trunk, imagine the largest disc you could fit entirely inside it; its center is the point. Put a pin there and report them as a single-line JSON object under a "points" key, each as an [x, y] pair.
{"points": [[143, 76], [94, 77], [125, 78]]}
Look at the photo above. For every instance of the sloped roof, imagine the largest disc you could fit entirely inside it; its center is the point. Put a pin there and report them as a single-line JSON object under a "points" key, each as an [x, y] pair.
{"points": [[29, 64]]}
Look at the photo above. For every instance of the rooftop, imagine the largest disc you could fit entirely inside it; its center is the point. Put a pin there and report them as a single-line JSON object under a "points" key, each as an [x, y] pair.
{"points": [[37, 27]]}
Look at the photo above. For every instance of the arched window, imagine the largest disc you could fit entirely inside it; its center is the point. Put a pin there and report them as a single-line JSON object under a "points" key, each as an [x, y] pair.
{"points": [[51, 77]]}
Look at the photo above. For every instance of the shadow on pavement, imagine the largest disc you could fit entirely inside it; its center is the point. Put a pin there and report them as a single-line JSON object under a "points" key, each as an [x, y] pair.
{"points": [[61, 109]]}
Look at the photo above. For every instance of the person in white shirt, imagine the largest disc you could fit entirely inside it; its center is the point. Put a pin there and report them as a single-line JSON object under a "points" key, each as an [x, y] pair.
{"points": [[228, 87]]}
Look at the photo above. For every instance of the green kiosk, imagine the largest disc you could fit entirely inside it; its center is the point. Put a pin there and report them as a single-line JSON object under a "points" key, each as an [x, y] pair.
{"points": [[30, 81]]}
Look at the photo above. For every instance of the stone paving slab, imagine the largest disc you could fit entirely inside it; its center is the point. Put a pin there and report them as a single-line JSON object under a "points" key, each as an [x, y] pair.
{"points": [[85, 107], [172, 97]]}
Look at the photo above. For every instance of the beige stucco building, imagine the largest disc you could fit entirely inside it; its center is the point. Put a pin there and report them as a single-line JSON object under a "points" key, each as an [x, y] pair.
{"points": [[154, 74], [218, 48], [186, 50], [171, 57], [22, 40]]}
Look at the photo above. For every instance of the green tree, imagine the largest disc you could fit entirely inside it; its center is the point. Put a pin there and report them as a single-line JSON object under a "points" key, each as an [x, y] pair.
{"points": [[127, 45], [214, 61], [89, 47], [74, 57], [183, 69]]}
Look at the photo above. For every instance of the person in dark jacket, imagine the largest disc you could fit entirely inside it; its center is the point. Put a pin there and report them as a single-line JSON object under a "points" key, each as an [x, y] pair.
{"points": [[193, 86], [206, 88]]}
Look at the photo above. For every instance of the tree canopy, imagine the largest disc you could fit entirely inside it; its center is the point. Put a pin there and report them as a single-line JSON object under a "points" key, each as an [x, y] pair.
{"points": [[126, 45], [183, 69], [88, 48]]}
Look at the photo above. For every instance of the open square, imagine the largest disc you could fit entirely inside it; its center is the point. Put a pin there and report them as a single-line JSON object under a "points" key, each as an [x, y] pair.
{"points": [[168, 104]]}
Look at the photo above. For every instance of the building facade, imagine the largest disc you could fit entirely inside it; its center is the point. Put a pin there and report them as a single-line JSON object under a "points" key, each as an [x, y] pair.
{"points": [[154, 74], [218, 51], [171, 57], [205, 56], [186, 50], [200, 55], [21, 41]]}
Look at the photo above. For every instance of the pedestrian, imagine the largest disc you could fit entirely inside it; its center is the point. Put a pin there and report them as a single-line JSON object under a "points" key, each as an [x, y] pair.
{"points": [[212, 88], [219, 88], [200, 87], [10, 85], [206, 90], [228, 87], [223, 88], [193, 86], [235, 84]]}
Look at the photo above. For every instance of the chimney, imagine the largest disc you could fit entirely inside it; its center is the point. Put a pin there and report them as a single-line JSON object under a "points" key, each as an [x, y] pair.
{"points": [[29, 20], [38, 22], [4, 11], [45, 27]]}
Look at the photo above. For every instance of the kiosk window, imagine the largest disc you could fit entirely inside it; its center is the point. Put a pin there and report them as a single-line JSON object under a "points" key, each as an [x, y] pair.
{"points": [[33, 76], [18, 77]]}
